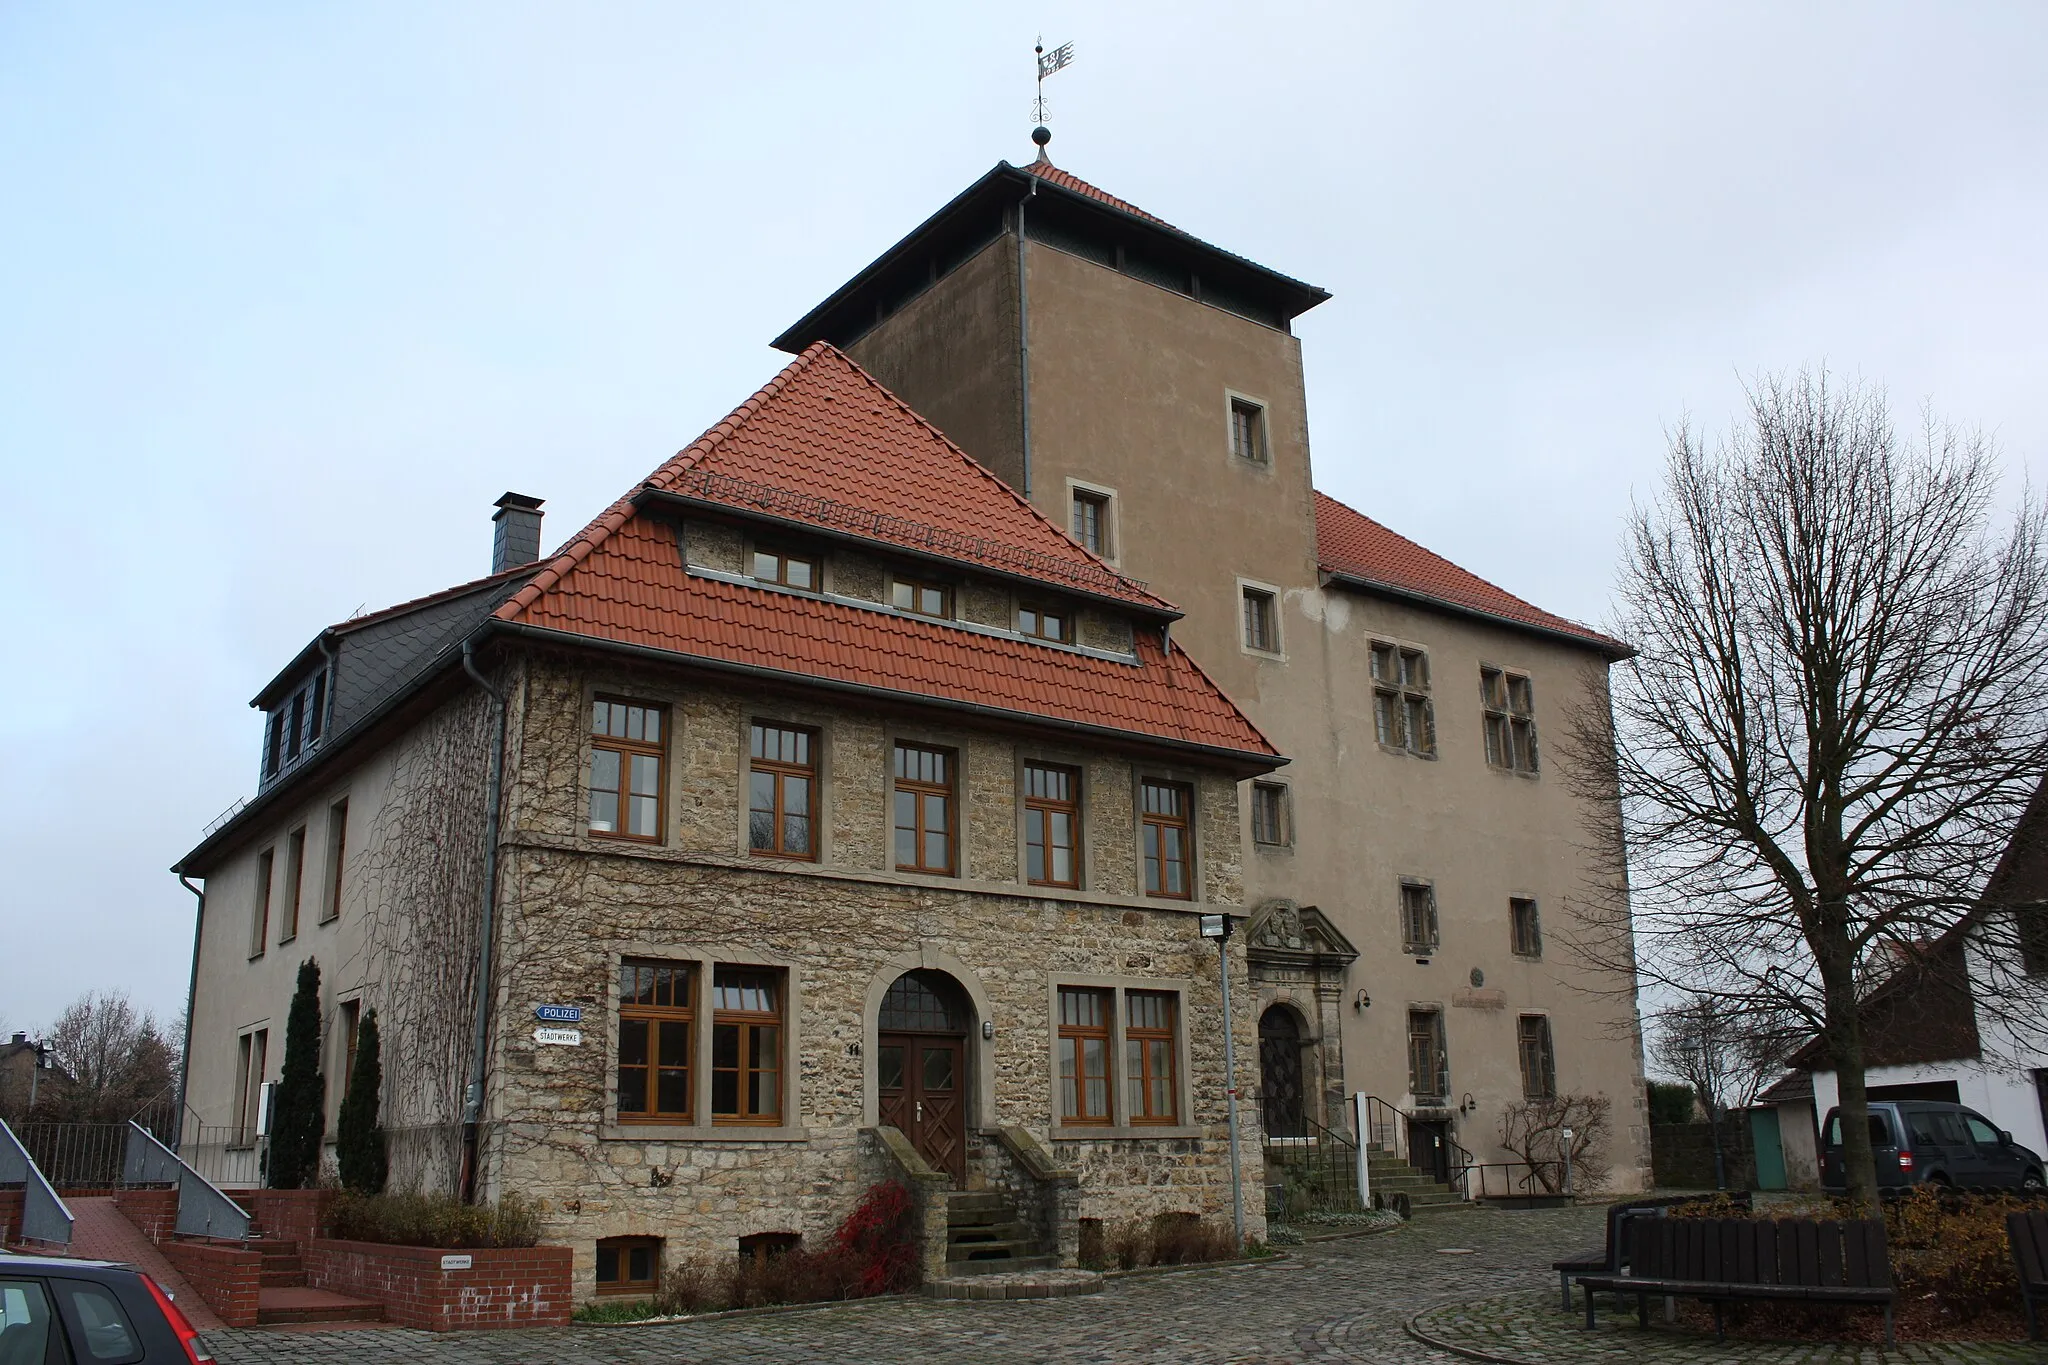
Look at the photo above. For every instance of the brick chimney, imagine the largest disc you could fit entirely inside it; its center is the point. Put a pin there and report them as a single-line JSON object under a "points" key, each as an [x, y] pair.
{"points": [[517, 540]]}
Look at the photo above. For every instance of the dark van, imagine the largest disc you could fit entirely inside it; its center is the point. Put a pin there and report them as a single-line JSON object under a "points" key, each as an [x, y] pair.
{"points": [[1932, 1142]]}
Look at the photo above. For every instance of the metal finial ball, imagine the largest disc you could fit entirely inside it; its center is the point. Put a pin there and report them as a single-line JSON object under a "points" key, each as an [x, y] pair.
{"points": [[1041, 135]]}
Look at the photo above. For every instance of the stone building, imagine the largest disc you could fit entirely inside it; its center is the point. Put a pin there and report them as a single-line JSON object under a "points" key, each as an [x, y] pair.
{"points": [[848, 819], [1423, 852]]}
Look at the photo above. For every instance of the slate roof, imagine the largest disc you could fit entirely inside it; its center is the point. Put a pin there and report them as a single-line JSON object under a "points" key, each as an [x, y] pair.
{"points": [[823, 425], [1353, 545]]}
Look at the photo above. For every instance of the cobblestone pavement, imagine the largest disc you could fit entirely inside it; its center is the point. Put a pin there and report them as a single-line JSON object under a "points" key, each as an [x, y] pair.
{"points": [[1332, 1301], [1527, 1327]]}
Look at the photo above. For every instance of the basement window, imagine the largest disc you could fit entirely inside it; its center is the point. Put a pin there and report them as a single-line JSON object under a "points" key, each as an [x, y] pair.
{"points": [[628, 1265]]}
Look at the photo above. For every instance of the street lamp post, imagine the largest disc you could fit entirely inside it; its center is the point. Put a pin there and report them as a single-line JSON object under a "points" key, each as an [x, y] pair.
{"points": [[1218, 928]]}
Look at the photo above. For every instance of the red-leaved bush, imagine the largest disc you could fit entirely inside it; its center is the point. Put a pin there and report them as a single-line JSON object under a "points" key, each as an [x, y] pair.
{"points": [[873, 1252]]}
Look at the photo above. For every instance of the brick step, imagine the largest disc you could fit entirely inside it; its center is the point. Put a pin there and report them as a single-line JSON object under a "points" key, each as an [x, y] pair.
{"points": [[295, 1278], [280, 1306], [1011, 1265]]}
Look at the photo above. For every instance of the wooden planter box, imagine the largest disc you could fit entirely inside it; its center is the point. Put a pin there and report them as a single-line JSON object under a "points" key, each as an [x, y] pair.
{"points": [[499, 1287]]}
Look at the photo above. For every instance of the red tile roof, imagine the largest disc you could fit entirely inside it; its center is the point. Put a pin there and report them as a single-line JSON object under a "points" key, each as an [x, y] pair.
{"points": [[823, 426], [825, 444], [1067, 180], [1351, 543]]}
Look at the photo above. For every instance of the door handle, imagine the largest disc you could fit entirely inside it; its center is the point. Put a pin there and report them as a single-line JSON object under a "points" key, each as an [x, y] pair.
{"points": [[920, 1111]]}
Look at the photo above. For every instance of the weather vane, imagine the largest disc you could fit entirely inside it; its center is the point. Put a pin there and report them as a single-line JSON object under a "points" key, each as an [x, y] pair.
{"points": [[1056, 60]]}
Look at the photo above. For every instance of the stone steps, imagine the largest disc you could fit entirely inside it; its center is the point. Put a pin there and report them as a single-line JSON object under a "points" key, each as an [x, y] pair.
{"points": [[277, 1307], [985, 1235]]}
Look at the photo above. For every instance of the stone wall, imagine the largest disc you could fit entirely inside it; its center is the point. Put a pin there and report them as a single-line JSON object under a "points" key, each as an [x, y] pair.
{"points": [[841, 929]]}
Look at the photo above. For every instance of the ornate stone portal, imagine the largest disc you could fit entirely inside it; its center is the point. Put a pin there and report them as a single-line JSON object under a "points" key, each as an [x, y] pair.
{"points": [[1298, 961]]}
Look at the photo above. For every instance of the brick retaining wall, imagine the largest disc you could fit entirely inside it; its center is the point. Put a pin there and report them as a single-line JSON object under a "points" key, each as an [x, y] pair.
{"points": [[228, 1277], [10, 1216], [154, 1212], [504, 1287], [289, 1215]]}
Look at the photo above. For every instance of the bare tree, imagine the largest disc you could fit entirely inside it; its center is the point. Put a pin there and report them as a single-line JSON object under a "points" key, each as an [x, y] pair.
{"points": [[1833, 721], [1562, 1139], [110, 1061], [1726, 1054]]}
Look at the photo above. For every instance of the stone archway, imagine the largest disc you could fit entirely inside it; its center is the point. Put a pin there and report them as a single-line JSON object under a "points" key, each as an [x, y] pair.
{"points": [[1298, 962], [923, 1037]]}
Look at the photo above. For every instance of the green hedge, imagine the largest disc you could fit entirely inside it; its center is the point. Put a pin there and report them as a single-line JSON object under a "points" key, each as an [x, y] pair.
{"points": [[435, 1220]]}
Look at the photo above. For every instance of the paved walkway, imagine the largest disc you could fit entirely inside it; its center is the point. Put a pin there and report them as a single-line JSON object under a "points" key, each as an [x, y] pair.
{"points": [[103, 1233], [1526, 1327], [1327, 1302]]}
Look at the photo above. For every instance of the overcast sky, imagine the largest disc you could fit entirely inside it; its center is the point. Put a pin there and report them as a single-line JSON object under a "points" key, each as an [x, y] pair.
{"points": [[293, 292]]}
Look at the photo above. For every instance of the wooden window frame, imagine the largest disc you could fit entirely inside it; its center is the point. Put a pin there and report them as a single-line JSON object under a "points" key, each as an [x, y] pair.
{"points": [[1536, 1050], [252, 1055], [1396, 694], [1098, 504], [1153, 824], [1281, 833], [337, 856], [919, 790], [919, 586], [1529, 944], [266, 874], [1138, 1038], [745, 1023], [781, 772], [1077, 1034], [783, 559], [1039, 811], [1260, 618], [1248, 431], [627, 750], [348, 1023], [653, 1016], [1439, 1059], [1031, 622], [622, 1248], [1413, 945], [295, 884], [1508, 700]]}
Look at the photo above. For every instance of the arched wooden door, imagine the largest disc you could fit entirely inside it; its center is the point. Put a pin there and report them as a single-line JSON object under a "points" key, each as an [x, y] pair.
{"points": [[921, 1067], [1280, 1089]]}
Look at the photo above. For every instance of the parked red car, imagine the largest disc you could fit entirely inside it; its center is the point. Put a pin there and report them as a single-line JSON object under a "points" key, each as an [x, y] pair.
{"points": [[57, 1311]]}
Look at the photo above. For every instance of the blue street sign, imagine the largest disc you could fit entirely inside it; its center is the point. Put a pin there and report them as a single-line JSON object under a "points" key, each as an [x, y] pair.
{"points": [[559, 1014]]}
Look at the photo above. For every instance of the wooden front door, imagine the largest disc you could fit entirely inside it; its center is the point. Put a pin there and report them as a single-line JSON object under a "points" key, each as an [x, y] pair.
{"points": [[921, 1081], [1280, 1087]]}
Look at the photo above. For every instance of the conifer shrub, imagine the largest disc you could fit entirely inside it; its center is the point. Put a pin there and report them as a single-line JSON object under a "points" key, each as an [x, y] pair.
{"points": [[298, 1112], [358, 1140]]}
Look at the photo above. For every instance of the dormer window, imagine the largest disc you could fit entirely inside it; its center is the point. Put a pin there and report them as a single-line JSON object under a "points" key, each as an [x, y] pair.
{"points": [[922, 598], [1042, 622], [791, 571], [295, 726]]}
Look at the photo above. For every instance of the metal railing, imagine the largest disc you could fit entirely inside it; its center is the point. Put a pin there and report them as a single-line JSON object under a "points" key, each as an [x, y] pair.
{"points": [[44, 1218], [1315, 1167], [1507, 1181], [77, 1156], [203, 1211], [1391, 1129], [226, 1154]]}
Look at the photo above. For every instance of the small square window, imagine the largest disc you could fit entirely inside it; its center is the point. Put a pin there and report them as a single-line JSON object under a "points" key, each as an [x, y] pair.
{"points": [[1091, 521], [766, 1246], [791, 571], [1042, 622], [1261, 626], [628, 1265], [922, 598], [1247, 431], [1269, 814]]}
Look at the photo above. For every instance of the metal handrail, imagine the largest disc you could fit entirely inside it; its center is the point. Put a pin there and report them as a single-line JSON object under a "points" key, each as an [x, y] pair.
{"points": [[44, 1216], [1386, 1128], [203, 1210], [1326, 1159]]}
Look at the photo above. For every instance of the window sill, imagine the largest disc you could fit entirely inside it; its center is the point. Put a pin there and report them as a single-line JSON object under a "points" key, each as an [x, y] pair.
{"points": [[701, 1132], [1125, 1132], [1526, 774], [1405, 752], [1261, 847]]}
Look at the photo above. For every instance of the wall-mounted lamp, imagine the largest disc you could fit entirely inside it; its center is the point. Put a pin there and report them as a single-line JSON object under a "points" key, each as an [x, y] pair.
{"points": [[1363, 1000], [988, 1028], [1468, 1104]]}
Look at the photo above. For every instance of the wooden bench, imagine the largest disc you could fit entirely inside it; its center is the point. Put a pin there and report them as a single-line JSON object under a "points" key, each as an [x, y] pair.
{"points": [[2028, 1234], [1789, 1260], [1613, 1258]]}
